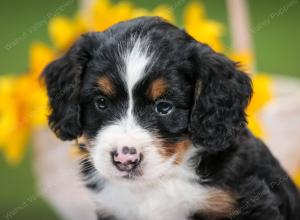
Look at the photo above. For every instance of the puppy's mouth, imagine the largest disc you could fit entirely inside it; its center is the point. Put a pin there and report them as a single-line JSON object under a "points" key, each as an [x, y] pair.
{"points": [[130, 169], [133, 174]]}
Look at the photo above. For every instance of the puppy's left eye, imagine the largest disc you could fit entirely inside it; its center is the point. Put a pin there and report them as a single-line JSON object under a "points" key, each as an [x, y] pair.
{"points": [[164, 107], [101, 103]]}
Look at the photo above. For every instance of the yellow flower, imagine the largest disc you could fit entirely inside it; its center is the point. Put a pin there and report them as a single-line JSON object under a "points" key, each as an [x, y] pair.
{"points": [[262, 94], [13, 120], [193, 13], [63, 31], [15, 147], [104, 14], [39, 56], [255, 126], [262, 87], [121, 11], [202, 29], [35, 104], [297, 178], [8, 109], [165, 12], [23, 104], [244, 58], [262, 91], [138, 12]]}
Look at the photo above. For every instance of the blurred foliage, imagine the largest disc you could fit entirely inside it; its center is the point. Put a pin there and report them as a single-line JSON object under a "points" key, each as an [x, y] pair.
{"points": [[19, 198]]}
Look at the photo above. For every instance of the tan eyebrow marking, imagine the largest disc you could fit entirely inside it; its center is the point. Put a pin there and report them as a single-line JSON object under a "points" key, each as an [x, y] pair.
{"points": [[157, 88], [106, 86]]}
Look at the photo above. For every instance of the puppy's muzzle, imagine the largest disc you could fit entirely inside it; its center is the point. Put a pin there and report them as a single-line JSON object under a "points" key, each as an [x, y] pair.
{"points": [[126, 158]]}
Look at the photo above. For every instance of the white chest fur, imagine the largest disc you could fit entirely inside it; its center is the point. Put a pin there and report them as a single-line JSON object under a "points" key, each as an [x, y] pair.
{"points": [[173, 198]]}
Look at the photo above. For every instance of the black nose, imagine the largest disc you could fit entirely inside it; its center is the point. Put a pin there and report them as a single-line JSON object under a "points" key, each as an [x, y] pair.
{"points": [[126, 158]]}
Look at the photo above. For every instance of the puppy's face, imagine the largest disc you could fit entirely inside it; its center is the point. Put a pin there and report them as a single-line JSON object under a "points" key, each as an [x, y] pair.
{"points": [[144, 94], [136, 107]]}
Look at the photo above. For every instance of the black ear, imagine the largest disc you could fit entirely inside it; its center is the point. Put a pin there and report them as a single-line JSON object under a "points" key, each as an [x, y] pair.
{"points": [[63, 79], [222, 92]]}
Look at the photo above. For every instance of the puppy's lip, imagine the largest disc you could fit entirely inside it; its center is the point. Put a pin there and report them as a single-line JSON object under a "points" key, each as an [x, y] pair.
{"points": [[129, 177], [133, 174]]}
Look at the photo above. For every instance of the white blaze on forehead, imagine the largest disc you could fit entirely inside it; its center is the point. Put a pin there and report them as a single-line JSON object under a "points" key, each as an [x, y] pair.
{"points": [[136, 59]]}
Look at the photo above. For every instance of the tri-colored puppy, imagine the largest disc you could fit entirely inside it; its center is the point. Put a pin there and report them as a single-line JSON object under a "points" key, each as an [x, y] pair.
{"points": [[164, 117]]}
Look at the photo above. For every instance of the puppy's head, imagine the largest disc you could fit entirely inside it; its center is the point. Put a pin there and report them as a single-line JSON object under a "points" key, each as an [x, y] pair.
{"points": [[145, 94]]}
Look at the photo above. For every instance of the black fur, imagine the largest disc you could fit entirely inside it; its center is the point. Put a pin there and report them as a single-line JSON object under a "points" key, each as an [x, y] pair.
{"points": [[106, 218], [210, 94], [63, 79], [88, 172], [218, 114]]}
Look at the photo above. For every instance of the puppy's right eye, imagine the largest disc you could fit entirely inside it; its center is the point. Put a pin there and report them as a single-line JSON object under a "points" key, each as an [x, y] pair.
{"points": [[164, 107], [101, 103]]}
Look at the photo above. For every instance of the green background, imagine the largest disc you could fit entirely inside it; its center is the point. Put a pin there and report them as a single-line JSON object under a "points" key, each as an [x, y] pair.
{"points": [[276, 44]]}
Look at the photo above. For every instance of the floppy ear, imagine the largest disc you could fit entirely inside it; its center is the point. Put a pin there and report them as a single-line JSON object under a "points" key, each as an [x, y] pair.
{"points": [[63, 81], [222, 92]]}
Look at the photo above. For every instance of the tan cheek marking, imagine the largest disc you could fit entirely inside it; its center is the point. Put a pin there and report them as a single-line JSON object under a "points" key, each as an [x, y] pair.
{"points": [[81, 147], [219, 204], [82, 141], [178, 149], [157, 88], [106, 86]]}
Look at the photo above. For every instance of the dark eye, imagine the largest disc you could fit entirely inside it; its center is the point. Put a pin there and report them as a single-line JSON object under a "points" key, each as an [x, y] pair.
{"points": [[163, 107], [101, 103]]}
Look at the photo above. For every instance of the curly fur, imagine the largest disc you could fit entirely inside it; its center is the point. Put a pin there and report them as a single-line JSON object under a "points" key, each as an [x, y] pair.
{"points": [[218, 114], [63, 78]]}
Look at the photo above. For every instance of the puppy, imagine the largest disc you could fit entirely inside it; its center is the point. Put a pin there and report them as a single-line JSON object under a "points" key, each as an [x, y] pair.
{"points": [[164, 121]]}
